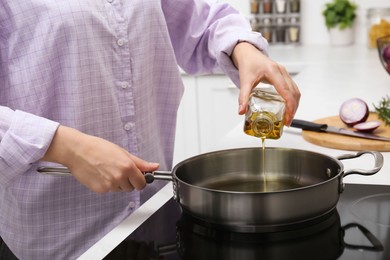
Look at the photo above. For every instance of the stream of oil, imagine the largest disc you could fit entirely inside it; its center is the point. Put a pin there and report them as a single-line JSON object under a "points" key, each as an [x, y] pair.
{"points": [[260, 182], [263, 164], [263, 130]]}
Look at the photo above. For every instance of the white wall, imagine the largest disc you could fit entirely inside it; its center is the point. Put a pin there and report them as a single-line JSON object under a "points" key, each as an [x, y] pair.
{"points": [[313, 25]]}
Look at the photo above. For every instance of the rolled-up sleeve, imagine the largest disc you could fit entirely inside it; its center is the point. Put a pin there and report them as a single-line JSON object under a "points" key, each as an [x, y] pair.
{"points": [[25, 140], [6, 115], [204, 34]]}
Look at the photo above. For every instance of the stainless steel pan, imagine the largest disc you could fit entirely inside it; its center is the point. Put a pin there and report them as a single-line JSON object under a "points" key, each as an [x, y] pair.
{"points": [[235, 189]]}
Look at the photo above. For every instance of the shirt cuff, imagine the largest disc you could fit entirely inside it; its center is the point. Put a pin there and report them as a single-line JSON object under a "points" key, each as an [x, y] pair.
{"points": [[225, 61], [6, 115], [25, 142], [256, 39]]}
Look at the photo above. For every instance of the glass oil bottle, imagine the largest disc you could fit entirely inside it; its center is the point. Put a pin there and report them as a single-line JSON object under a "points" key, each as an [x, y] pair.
{"points": [[265, 114]]}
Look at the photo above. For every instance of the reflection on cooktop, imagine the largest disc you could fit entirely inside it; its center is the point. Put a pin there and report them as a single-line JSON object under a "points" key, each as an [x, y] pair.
{"points": [[375, 208], [358, 229], [322, 240]]}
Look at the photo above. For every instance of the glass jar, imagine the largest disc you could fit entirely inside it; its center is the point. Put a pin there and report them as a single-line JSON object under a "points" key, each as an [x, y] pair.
{"points": [[378, 24], [255, 24], [265, 114], [294, 6], [267, 6], [280, 6], [266, 29], [255, 6], [293, 30], [280, 30]]}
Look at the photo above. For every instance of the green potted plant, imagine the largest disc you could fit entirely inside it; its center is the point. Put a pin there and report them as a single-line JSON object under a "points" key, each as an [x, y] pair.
{"points": [[339, 18]]}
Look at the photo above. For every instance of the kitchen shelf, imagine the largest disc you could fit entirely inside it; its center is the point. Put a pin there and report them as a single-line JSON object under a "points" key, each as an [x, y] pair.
{"points": [[279, 21]]}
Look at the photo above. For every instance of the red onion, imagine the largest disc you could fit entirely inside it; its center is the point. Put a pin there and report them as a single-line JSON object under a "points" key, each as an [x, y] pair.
{"points": [[353, 111], [368, 126], [386, 54]]}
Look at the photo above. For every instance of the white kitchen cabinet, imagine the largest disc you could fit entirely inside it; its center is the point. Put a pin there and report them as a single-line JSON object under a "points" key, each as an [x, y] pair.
{"points": [[208, 110], [218, 109], [187, 134]]}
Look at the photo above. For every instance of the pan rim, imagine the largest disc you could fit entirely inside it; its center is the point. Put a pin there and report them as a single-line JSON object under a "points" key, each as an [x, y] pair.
{"points": [[211, 153]]}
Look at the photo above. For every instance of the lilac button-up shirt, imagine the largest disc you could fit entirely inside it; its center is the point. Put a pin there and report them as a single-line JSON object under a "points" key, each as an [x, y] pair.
{"points": [[110, 69]]}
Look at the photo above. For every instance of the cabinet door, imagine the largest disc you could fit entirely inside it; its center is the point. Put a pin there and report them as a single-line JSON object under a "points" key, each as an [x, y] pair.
{"points": [[218, 109], [187, 134]]}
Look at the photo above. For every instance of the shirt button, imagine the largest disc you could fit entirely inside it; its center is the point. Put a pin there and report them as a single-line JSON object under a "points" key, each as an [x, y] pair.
{"points": [[129, 126], [120, 42], [132, 204], [124, 84]]}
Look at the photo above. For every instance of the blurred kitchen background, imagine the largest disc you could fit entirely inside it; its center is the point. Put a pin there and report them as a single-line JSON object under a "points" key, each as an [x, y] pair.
{"points": [[311, 21]]}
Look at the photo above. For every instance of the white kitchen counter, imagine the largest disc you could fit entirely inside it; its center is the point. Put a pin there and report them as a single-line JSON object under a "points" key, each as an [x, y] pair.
{"points": [[326, 77]]}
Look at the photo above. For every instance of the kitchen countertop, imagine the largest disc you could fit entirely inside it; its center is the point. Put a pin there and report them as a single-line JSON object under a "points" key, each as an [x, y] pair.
{"points": [[326, 77]]}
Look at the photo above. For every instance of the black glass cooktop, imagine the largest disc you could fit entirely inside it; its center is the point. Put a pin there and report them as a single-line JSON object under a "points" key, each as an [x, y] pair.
{"points": [[359, 228]]}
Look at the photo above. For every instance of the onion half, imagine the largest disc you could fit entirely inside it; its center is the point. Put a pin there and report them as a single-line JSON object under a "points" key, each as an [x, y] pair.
{"points": [[353, 111]]}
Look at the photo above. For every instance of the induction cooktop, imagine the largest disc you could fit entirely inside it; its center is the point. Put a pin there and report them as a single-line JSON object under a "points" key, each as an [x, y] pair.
{"points": [[358, 228]]}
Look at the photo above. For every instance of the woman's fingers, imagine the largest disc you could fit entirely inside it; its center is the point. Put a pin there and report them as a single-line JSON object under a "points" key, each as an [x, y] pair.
{"points": [[255, 67], [96, 163]]}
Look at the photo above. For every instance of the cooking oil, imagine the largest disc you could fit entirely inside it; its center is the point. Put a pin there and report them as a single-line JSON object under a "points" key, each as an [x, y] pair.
{"points": [[264, 119], [264, 125], [265, 115]]}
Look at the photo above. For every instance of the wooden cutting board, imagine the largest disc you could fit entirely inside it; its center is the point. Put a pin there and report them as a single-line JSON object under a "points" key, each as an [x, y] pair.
{"points": [[343, 142]]}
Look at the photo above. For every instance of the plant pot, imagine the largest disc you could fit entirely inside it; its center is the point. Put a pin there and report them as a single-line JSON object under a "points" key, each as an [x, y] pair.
{"points": [[341, 37]]}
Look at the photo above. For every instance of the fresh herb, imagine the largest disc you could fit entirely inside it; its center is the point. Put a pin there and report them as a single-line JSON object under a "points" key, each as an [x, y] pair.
{"points": [[383, 109], [339, 13]]}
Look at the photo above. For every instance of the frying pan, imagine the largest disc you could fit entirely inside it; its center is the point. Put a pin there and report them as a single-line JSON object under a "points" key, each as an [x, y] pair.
{"points": [[253, 190]]}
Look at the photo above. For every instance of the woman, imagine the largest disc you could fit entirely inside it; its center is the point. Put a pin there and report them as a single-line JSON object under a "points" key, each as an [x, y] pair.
{"points": [[94, 85]]}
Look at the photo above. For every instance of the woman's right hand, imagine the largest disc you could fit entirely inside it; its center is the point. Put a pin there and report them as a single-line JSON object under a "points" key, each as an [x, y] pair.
{"points": [[96, 163], [255, 67]]}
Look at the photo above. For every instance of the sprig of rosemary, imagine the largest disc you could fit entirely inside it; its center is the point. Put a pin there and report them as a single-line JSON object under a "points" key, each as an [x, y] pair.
{"points": [[383, 109]]}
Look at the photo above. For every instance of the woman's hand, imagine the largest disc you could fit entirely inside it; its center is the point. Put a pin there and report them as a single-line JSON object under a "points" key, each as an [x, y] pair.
{"points": [[255, 67], [96, 163]]}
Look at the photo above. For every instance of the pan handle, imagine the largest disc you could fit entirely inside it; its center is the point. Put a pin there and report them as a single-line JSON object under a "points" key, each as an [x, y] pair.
{"points": [[158, 175], [64, 171], [378, 158]]}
